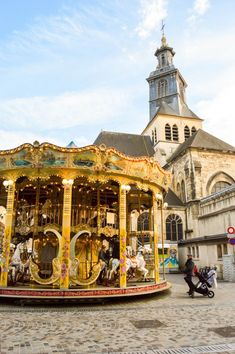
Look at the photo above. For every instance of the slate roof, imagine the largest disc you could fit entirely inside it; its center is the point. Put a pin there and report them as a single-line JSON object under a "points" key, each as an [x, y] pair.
{"points": [[165, 108], [172, 199], [201, 140], [129, 144]]}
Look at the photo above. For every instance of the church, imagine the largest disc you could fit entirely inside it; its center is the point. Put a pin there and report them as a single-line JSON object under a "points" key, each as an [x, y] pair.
{"points": [[201, 200]]}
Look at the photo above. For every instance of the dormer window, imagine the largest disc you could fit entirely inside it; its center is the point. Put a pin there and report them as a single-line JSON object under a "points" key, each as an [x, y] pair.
{"points": [[162, 88]]}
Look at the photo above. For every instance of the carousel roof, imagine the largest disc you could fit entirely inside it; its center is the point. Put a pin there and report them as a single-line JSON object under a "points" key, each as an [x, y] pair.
{"points": [[93, 162]]}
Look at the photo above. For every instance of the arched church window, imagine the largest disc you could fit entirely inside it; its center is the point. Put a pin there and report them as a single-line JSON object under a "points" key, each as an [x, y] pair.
{"points": [[162, 88], [174, 228], [218, 186], [186, 132], [155, 135], [143, 222], [193, 130], [168, 132], [175, 133]]}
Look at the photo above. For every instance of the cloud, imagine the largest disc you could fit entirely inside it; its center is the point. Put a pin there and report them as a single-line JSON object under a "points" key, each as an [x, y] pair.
{"points": [[200, 7], [217, 110], [152, 13], [64, 111]]}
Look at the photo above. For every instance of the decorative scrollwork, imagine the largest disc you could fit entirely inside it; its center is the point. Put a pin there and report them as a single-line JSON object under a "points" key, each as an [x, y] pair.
{"points": [[78, 280], [54, 278]]}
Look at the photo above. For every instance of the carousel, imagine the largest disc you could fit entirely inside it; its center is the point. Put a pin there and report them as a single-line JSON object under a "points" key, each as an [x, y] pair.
{"points": [[79, 222]]}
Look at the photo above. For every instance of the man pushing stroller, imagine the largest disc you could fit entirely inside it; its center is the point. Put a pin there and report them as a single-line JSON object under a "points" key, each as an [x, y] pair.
{"points": [[188, 271], [205, 279]]}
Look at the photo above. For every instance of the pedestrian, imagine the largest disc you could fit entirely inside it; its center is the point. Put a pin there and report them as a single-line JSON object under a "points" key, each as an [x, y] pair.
{"points": [[188, 270], [103, 259]]}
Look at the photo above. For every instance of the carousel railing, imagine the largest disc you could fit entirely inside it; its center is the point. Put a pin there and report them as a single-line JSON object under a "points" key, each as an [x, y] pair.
{"points": [[88, 215], [26, 216], [51, 215]]}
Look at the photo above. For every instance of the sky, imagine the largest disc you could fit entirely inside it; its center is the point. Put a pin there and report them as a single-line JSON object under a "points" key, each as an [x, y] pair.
{"points": [[71, 68]]}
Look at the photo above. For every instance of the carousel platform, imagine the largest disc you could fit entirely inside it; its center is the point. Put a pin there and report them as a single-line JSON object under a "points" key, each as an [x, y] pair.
{"points": [[89, 293]]}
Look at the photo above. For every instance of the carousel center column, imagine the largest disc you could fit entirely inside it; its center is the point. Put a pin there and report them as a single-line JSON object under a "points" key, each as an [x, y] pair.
{"points": [[122, 233], [66, 226], [155, 240], [10, 186]]}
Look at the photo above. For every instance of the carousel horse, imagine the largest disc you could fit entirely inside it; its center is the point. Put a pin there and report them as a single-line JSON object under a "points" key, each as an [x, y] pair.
{"points": [[19, 263], [114, 264], [137, 262], [112, 267]]}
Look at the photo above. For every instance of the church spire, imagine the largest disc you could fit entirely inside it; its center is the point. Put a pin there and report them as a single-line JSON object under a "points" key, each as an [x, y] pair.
{"points": [[166, 84]]}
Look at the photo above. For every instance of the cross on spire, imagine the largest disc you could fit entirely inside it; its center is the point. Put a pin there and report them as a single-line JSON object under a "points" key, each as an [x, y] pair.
{"points": [[162, 28]]}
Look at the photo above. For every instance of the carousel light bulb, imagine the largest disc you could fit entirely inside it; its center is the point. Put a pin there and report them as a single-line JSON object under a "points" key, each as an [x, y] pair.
{"points": [[158, 196]]}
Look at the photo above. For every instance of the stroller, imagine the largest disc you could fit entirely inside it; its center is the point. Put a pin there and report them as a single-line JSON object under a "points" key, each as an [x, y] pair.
{"points": [[203, 285]]}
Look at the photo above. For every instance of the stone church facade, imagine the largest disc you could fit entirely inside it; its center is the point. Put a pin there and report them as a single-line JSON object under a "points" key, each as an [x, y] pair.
{"points": [[201, 202]]}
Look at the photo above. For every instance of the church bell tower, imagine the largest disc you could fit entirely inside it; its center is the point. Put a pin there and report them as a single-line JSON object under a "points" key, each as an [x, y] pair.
{"points": [[171, 121], [166, 83]]}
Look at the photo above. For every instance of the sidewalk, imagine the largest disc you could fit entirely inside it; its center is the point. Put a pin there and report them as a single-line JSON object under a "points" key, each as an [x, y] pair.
{"points": [[149, 325]]}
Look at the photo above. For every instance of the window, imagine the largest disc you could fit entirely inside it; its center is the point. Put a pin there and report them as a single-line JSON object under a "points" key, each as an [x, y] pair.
{"points": [[186, 132], [219, 251], [197, 251], [174, 228], [222, 178], [167, 132], [143, 222], [193, 130], [225, 248], [175, 132], [162, 88], [155, 135], [163, 59], [218, 186], [193, 252]]}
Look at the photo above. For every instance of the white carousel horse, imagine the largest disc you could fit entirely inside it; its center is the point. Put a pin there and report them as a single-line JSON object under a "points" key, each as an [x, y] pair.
{"points": [[112, 267], [138, 262], [141, 263], [114, 263], [18, 267]]}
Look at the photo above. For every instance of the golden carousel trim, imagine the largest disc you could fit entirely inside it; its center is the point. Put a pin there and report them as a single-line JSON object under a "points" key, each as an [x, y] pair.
{"points": [[93, 164]]}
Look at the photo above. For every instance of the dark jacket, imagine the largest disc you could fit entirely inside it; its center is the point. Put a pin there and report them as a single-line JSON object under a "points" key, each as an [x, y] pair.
{"points": [[189, 265], [103, 256]]}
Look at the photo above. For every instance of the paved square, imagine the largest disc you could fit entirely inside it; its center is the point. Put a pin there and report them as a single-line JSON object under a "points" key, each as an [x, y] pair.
{"points": [[130, 326]]}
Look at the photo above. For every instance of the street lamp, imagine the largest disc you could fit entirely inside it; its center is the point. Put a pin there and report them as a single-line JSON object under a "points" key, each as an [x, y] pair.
{"points": [[159, 198]]}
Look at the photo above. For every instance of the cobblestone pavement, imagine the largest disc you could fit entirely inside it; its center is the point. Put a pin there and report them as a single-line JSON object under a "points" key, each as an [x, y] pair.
{"points": [[170, 323]]}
